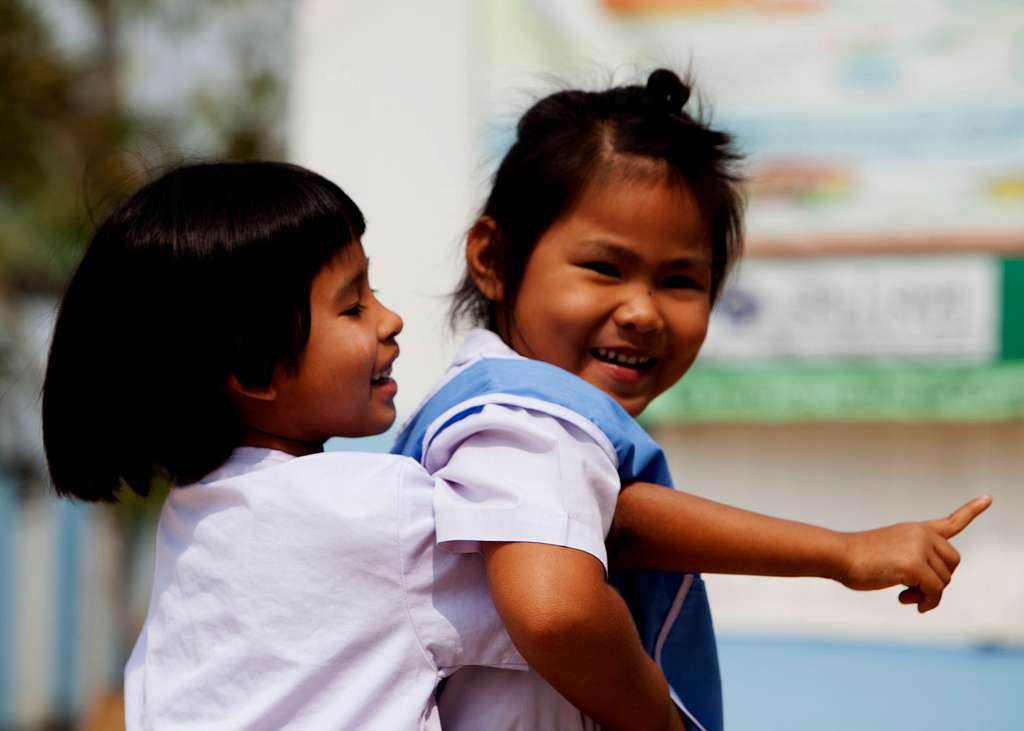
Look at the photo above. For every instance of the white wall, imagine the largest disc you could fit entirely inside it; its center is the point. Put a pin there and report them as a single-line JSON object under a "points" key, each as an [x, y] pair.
{"points": [[858, 476], [383, 105]]}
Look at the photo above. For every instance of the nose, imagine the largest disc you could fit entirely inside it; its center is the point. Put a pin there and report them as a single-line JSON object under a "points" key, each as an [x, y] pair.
{"points": [[389, 325], [639, 312]]}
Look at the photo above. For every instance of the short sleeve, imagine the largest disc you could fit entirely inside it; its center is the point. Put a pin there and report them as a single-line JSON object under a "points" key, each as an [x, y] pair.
{"points": [[447, 598], [508, 473]]}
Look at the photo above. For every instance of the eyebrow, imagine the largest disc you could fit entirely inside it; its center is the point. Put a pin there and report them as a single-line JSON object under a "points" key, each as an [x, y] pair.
{"points": [[351, 280], [608, 248]]}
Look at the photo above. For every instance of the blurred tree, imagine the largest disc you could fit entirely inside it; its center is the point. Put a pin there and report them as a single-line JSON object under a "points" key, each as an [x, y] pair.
{"points": [[83, 124], [72, 142], [59, 115]]}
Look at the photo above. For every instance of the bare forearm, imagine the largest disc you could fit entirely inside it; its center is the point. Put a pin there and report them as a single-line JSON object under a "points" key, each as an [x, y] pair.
{"points": [[600, 667], [576, 631], [658, 528]]}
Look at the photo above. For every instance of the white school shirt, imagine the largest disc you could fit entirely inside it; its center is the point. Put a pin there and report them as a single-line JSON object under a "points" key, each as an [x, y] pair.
{"points": [[530, 472], [306, 593]]}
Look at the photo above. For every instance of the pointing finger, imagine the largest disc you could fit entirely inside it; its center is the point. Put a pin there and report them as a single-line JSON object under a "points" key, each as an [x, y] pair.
{"points": [[961, 517]]}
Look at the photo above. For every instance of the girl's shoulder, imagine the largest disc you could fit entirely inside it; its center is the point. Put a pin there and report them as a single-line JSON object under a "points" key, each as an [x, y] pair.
{"points": [[519, 385], [272, 463], [264, 477]]}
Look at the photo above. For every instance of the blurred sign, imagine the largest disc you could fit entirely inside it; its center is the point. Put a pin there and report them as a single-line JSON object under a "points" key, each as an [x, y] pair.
{"points": [[885, 339], [875, 308], [869, 125]]}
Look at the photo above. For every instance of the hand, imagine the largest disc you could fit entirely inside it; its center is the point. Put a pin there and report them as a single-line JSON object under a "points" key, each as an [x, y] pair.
{"points": [[916, 555]]}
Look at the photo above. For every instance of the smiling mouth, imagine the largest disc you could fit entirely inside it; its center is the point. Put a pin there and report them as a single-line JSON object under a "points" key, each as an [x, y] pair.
{"points": [[639, 363], [382, 376]]}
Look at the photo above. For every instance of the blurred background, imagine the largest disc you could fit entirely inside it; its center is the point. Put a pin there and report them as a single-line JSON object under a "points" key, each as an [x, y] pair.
{"points": [[865, 366]]}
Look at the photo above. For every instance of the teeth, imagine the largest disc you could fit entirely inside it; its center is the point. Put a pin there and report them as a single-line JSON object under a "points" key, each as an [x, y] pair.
{"points": [[386, 373], [622, 357]]}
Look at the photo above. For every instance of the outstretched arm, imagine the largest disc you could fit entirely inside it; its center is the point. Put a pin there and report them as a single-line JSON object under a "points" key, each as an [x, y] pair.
{"points": [[655, 527], [576, 631]]}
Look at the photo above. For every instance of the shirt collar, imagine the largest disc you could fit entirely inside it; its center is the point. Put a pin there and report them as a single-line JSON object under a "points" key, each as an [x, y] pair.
{"points": [[481, 343], [247, 459]]}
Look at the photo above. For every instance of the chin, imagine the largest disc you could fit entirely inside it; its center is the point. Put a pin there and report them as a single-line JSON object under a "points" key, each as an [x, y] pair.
{"points": [[384, 424], [370, 428], [634, 405], [635, 410]]}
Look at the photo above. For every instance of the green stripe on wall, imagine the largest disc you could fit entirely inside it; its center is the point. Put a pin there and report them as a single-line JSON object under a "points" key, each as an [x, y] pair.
{"points": [[793, 394], [1012, 328]]}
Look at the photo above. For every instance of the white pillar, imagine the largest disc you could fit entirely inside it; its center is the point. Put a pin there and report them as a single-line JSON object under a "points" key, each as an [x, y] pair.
{"points": [[382, 104]]}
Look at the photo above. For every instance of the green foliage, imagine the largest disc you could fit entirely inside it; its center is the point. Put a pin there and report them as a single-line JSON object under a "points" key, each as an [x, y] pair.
{"points": [[72, 144], [51, 124]]}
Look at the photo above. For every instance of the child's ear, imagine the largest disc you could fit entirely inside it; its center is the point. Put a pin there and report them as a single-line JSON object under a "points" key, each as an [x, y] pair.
{"points": [[482, 250], [260, 394]]}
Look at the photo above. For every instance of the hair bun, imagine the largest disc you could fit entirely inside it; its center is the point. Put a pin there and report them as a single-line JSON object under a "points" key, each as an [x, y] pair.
{"points": [[667, 91]]}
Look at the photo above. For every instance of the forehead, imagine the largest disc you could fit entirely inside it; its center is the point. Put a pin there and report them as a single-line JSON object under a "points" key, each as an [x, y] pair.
{"points": [[644, 214], [349, 258], [341, 270]]}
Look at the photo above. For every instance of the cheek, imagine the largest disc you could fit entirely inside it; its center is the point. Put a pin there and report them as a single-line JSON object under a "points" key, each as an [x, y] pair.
{"points": [[698, 331], [359, 352], [342, 358], [688, 332], [555, 312], [691, 322], [563, 303], [556, 323], [569, 312]]}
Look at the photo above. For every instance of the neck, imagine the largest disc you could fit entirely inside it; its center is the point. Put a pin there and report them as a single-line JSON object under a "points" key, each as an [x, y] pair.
{"points": [[253, 437]]}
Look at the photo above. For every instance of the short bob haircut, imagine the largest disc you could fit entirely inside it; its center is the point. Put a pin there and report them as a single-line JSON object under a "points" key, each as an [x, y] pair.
{"points": [[569, 138], [203, 273]]}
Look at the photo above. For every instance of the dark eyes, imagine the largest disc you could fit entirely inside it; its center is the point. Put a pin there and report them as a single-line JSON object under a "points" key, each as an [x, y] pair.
{"points": [[673, 281], [681, 281], [602, 267], [357, 309]]}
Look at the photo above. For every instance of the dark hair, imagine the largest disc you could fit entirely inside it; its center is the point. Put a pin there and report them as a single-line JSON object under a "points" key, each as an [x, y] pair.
{"points": [[203, 273], [567, 138]]}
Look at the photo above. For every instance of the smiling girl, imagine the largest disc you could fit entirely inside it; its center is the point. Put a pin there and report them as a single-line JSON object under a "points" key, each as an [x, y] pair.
{"points": [[606, 239], [218, 330]]}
